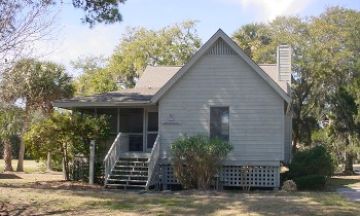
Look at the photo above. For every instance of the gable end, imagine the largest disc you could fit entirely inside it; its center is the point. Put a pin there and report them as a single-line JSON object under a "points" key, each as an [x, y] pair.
{"points": [[211, 43], [220, 48]]}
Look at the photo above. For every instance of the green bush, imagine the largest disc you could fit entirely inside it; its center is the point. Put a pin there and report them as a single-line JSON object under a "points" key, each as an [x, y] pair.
{"points": [[197, 159], [65, 135], [311, 182], [314, 161]]}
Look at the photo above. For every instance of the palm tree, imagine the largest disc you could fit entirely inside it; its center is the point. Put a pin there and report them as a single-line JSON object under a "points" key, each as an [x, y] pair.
{"points": [[37, 84], [10, 126]]}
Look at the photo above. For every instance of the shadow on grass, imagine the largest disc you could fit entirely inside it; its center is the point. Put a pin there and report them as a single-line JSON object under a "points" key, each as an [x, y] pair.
{"points": [[25, 209], [203, 203], [262, 203], [336, 183], [9, 176]]}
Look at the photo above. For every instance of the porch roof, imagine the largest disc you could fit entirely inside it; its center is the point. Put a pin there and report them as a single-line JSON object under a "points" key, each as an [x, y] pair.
{"points": [[150, 82], [135, 96]]}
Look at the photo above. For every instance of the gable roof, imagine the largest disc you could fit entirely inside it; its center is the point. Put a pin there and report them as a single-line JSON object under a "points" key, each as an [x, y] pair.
{"points": [[273, 71], [237, 50], [156, 76]]}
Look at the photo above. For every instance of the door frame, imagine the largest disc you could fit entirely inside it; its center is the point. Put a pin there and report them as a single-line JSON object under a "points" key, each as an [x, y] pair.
{"points": [[148, 110]]}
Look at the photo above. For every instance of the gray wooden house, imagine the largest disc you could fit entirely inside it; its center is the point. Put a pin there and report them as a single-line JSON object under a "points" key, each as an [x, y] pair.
{"points": [[220, 92]]}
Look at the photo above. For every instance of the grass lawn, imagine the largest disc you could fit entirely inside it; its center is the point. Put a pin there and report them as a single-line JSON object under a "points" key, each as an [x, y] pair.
{"points": [[25, 196], [30, 166], [47, 194]]}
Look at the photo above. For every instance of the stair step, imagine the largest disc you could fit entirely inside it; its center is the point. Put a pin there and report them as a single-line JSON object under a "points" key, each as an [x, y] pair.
{"points": [[134, 159], [125, 185], [125, 175], [132, 163], [127, 168], [128, 178], [131, 166], [137, 173]]}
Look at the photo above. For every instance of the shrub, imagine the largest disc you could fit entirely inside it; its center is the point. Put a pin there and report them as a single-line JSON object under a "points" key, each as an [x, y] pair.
{"points": [[65, 135], [314, 161], [197, 159], [289, 186], [311, 182]]}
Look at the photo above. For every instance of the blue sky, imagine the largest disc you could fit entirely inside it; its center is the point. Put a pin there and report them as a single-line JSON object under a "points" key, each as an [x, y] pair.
{"points": [[72, 39]]}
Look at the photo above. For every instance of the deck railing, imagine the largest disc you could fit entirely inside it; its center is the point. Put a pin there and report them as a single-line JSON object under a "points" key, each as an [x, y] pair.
{"points": [[153, 162], [112, 156]]}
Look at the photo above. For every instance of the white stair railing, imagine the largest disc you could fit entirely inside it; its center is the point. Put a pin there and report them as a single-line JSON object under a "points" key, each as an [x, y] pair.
{"points": [[153, 162], [112, 156]]}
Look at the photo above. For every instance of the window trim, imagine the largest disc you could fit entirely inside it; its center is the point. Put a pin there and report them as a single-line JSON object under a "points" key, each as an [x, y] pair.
{"points": [[209, 121]]}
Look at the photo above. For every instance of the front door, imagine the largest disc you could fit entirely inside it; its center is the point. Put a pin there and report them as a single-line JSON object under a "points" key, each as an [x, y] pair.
{"points": [[152, 126], [132, 124]]}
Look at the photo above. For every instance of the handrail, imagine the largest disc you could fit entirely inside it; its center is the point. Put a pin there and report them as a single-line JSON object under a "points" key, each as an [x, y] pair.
{"points": [[112, 156], [153, 161]]}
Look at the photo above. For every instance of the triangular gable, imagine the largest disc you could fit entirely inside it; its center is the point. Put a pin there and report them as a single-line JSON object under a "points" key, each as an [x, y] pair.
{"points": [[214, 46]]}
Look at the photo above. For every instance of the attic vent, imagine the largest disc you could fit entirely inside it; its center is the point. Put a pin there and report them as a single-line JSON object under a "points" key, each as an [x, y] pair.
{"points": [[220, 48]]}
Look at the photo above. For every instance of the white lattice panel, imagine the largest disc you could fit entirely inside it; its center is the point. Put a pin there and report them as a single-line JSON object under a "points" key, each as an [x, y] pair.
{"points": [[255, 176], [235, 176], [167, 175]]}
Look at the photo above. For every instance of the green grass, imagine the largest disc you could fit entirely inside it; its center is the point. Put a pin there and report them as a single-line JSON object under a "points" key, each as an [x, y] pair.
{"points": [[30, 166], [101, 202], [26, 192]]}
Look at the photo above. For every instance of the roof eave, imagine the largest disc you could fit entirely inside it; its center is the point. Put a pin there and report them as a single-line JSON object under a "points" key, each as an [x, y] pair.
{"points": [[100, 104]]}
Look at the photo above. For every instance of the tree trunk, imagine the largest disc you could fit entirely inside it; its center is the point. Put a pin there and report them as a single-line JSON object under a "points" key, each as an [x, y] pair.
{"points": [[349, 169], [7, 155], [48, 161], [294, 145], [20, 165]]}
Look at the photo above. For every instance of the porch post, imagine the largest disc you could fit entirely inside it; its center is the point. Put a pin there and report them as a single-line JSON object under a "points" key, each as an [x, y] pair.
{"points": [[144, 131], [92, 162]]}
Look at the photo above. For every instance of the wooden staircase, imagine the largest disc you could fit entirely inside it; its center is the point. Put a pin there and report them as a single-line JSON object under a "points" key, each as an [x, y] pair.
{"points": [[129, 172]]}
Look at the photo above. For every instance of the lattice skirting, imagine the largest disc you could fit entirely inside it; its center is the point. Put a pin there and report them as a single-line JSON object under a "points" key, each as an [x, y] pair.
{"points": [[234, 176]]}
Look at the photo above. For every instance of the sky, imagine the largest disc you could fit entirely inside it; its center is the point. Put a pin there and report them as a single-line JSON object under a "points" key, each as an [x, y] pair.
{"points": [[72, 39]]}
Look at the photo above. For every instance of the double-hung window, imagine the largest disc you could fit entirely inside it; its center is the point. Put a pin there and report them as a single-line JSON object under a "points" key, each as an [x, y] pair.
{"points": [[219, 123]]}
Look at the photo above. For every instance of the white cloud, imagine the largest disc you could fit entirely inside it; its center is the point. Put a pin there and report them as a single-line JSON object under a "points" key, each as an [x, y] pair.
{"points": [[267, 10]]}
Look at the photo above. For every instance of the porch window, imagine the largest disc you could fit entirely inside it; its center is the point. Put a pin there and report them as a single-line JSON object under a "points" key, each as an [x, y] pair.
{"points": [[219, 123]]}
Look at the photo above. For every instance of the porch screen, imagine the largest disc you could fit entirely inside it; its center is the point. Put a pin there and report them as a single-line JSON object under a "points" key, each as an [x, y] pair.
{"points": [[131, 123], [219, 123]]}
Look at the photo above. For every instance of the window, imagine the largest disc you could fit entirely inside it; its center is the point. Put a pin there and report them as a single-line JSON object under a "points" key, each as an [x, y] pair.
{"points": [[219, 123]]}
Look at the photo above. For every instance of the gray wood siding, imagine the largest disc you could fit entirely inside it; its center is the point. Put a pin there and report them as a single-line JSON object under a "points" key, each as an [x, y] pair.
{"points": [[288, 137], [256, 110]]}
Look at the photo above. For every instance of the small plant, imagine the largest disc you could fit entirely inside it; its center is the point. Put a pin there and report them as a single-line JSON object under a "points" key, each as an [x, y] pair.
{"points": [[245, 170], [289, 186], [197, 159]]}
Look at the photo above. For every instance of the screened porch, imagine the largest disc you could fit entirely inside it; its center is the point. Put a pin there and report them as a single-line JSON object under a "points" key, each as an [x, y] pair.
{"points": [[138, 126]]}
